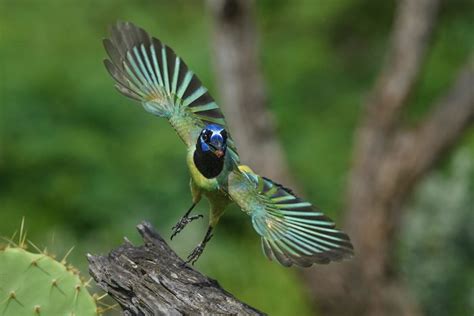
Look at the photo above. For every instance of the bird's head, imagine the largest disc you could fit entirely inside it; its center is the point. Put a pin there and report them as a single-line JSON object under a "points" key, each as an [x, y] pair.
{"points": [[213, 138]]}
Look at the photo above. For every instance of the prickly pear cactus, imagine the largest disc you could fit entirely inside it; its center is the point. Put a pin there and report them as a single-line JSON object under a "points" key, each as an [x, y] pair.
{"points": [[37, 284]]}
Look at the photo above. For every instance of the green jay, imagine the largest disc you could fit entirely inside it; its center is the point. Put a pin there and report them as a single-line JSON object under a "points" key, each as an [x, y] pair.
{"points": [[292, 231]]}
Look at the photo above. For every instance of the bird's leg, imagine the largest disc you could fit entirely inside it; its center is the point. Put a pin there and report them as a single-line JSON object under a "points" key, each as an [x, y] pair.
{"points": [[185, 220], [192, 258]]}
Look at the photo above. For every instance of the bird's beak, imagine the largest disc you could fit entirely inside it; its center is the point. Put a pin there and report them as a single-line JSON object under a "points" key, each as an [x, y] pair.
{"points": [[217, 145]]}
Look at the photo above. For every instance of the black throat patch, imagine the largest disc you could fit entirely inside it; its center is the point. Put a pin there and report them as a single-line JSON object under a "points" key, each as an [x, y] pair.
{"points": [[208, 164]]}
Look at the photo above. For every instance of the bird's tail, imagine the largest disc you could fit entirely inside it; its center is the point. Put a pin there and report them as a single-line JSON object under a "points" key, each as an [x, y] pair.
{"points": [[293, 231]]}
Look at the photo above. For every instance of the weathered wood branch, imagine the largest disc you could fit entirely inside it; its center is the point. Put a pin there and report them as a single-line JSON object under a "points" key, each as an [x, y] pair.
{"points": [[152, 280]]}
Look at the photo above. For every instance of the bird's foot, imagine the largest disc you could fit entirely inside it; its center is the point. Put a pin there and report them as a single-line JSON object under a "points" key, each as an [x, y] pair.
{"points": [[185, 220], [194, 256]]}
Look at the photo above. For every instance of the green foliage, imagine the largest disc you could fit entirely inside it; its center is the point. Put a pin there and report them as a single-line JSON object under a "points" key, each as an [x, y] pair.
{"points": [[37, 284], [437, 245], [251, 283]]}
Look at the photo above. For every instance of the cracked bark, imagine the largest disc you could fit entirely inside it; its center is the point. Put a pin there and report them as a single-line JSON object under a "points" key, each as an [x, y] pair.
{"points": [[152, 280]]}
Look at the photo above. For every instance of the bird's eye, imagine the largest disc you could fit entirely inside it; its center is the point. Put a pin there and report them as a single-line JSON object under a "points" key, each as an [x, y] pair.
{"points": [[224, 134], [206, 136]]}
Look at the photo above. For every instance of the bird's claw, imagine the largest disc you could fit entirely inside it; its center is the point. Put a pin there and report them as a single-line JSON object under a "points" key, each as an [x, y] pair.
{"points": [[185, 220], [196, 253], [193, 256]]}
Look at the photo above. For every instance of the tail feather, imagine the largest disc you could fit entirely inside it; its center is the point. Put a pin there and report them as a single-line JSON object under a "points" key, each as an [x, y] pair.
{"points": [[293, 231]]}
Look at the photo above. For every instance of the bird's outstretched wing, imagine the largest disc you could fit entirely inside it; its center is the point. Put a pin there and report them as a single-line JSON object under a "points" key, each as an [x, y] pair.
{"points": [[148, 71], [292, 231]]}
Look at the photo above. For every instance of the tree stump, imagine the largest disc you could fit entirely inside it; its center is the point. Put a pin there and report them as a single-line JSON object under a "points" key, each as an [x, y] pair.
{"points": [[152, 280]]}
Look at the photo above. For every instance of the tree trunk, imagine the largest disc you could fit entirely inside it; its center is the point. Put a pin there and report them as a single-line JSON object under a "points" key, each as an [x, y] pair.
{"points": [[389, 159], [241, 87]]}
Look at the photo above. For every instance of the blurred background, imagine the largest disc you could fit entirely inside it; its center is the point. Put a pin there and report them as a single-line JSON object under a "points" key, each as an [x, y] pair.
{"points": [[84, 165]]}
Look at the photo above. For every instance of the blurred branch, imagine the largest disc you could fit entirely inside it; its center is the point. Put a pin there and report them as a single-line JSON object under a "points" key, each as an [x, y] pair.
{"points": [[415, 152], [241, 86], [412, 30], [152, 280], [454, 110], [413, 26], [389, 161]]}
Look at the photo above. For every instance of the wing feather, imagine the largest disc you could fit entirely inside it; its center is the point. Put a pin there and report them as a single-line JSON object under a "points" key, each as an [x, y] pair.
{"points": [[148, 71]]}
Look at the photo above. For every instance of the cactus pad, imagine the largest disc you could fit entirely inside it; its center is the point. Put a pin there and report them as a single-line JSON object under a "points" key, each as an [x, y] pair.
{"points": [[37, 284]]}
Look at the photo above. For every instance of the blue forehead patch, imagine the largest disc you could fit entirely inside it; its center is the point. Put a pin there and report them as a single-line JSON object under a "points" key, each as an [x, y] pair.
{"points": [[214, 127]]}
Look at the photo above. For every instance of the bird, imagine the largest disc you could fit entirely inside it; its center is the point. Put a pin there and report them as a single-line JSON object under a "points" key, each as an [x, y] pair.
{"points": [[292, 231]]}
